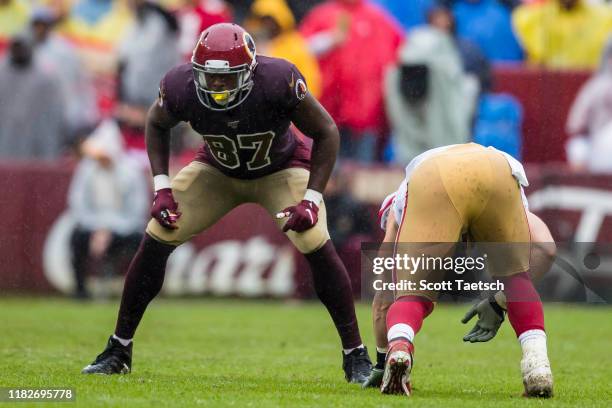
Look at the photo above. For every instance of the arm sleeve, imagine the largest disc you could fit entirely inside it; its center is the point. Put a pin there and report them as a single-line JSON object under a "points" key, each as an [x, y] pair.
{"points": [[290, 88], [170, 88], [385, 209]]}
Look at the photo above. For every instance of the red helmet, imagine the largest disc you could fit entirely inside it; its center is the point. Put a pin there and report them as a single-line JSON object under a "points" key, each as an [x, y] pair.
{"points": [[224, 49]]}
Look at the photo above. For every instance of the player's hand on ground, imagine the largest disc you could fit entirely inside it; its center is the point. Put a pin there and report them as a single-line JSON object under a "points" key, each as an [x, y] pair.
{"points": [[301, 217], [165, 209], [490, 318]]}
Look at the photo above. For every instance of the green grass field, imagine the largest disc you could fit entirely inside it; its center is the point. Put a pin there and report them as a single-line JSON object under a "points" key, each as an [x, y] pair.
{"points": [[244, 353]]}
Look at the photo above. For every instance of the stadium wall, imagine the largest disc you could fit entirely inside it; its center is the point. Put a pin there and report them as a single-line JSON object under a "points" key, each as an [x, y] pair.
{"points": [[245, 254], [546, 97]]}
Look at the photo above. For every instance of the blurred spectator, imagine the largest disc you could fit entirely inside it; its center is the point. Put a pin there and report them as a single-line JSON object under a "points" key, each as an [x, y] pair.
{"points": [[475, 63], [589, 123], [426, 95], [33, 109], [273, 26], [563, 33], [101, 23], [58, 56], [354, 41], [96, 28], [14, 15], [196, 16], [473, 60], [109, 199], [301, 7], [410, 13], [488, 24], [497, 118], [130, 121], [148, 51]]}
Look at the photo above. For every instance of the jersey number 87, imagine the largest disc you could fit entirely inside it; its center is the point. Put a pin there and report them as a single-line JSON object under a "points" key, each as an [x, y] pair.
{"points": [[225, 151]]}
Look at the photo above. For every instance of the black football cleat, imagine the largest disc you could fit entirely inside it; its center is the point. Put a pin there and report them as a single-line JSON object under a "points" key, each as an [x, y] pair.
{"points": [[375, 378], [115, 359], [356, 365]]}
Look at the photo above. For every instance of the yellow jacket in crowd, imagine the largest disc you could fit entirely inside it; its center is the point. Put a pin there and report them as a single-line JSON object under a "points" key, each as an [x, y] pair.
{"points": [[558, 38], [106, 33], [14, 17], [289, 44]]}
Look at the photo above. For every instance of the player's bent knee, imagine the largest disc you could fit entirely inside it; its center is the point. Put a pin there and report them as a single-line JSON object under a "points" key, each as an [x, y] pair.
{"points": [[310, 240], [165, 236]]}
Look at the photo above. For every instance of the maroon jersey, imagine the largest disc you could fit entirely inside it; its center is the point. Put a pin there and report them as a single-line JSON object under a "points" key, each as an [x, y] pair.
{"points": [[254, 138]]}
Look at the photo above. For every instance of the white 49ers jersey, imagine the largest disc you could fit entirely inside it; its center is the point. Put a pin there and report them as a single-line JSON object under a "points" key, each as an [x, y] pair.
{"points": [[396, 201]]}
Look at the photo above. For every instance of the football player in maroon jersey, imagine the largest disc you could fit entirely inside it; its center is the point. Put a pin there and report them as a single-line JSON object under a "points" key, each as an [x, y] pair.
{"points": [[243, 105]]}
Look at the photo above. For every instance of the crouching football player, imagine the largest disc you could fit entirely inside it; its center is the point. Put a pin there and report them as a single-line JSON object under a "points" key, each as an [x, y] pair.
{"points": [[432, 197], [242, 104]]}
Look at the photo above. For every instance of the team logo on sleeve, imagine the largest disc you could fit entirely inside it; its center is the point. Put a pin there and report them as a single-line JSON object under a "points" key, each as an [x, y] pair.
{"points": [[300, 89]]}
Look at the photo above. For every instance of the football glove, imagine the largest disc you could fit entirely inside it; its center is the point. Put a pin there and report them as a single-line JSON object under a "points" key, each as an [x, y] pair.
{"points": [[165, 209], [490, 318], [301, 217]]}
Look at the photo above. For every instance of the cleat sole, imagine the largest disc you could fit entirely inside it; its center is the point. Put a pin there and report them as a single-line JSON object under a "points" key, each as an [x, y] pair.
{"points": [[396, 379], [538, 386]]}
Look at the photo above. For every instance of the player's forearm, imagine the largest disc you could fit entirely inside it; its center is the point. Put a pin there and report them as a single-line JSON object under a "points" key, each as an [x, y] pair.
{"points": [[157, 137], [383, 299], [158, 148], [380, 306], [323, 158], [313, 120]]}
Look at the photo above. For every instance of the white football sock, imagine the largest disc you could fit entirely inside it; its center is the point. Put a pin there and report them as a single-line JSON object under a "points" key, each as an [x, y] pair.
{"points": [[349, 351], [401, 330], [123, 342], [533, 342], [535, 366]]}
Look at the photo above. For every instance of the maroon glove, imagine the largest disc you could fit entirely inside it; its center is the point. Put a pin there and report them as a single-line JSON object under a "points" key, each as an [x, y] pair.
{"points": [[301, 217], [164, 208]]}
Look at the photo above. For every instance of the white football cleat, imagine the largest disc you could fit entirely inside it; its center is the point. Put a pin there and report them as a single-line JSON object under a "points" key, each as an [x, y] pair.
{"points": [[396, 378], [537, 376]]}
